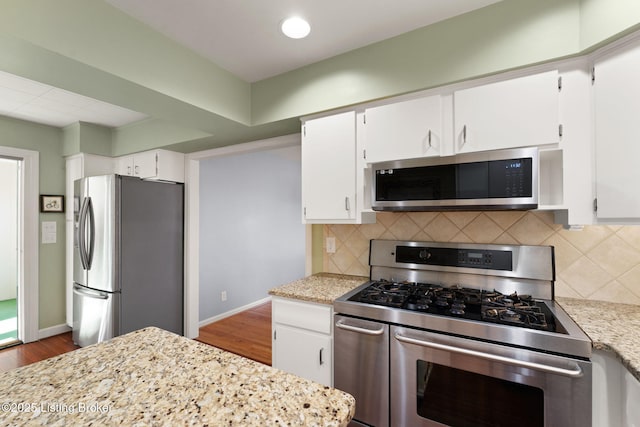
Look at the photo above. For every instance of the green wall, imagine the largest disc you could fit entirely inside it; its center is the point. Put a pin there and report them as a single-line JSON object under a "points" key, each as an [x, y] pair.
{"points": [[48, 142]]}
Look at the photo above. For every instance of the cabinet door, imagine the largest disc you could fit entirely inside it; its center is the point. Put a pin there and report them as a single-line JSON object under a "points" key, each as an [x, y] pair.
{"points": [[616, 91], [124, 165], [329, 167], [145, 165], [404, 130], [303, 353], [513, 113]]}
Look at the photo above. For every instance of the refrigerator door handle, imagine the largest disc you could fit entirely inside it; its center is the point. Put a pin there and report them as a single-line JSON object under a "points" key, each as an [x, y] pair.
{"points": [[92, 233], [79, 290], [81, 236]]}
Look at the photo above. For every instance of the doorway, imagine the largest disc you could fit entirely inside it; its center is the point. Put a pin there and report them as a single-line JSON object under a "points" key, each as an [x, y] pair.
{"points": [[9, 247], [20, 320]]}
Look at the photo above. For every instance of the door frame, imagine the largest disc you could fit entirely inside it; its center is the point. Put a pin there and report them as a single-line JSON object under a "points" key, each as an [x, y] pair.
{"points": [[28, 252], [192, 219]]}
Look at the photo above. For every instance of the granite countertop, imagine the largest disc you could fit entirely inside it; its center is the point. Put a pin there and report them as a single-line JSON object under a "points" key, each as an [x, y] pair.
{"points": [[611, 327], [322, 288], [154, 377]]}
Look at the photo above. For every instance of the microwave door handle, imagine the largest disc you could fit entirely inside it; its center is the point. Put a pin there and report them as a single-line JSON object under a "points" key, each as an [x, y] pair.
{"points": [[92, 232], [573, 373]]}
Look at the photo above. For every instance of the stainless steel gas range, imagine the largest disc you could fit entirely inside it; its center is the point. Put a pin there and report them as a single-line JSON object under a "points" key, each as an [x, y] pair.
{"points": [[461, 335]]}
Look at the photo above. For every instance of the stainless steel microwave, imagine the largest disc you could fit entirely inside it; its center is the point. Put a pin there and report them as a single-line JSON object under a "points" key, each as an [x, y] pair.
{"points": [[492, 180]]}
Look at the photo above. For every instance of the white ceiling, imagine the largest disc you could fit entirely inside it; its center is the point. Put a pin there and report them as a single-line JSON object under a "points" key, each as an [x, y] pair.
{"points": [[36, 102], [243, 36]]}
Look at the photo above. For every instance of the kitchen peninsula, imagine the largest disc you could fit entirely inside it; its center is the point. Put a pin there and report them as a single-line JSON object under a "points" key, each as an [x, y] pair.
{"points": [[154, 377]]}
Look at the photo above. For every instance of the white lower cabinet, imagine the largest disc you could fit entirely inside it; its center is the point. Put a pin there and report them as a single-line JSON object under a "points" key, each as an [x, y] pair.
{"points": [[302, 339], [616, 393]]}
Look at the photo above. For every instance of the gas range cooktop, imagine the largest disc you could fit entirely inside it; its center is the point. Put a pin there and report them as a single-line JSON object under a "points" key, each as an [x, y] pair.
{"points": [[461, 302], [497, 293]]}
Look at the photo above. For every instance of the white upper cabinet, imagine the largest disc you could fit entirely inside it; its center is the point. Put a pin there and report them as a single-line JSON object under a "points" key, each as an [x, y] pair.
{"points": [[329, 169], [404, 130], [155, 164], [616, 91], [518, 112]]}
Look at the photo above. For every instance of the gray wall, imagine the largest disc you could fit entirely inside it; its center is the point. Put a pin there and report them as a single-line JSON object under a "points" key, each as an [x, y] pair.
{"points": [[251, 233]]}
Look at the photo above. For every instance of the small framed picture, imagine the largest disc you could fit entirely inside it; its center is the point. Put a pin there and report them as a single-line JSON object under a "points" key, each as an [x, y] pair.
{"points": [[51, 203]]}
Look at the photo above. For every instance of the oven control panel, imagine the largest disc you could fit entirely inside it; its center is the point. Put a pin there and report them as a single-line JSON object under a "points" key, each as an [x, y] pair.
{"points": [[454, 257]]}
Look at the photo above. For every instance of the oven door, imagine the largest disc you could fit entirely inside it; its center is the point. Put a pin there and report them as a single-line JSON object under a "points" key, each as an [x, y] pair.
{"points": [[440, 380]]}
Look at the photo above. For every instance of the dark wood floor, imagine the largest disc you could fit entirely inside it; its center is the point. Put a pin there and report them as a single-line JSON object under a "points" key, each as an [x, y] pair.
{"points": [[247, 333]]}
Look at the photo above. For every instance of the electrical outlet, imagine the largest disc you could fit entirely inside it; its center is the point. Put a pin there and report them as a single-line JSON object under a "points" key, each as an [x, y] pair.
{"points": [[223, 296], [331, 245]]}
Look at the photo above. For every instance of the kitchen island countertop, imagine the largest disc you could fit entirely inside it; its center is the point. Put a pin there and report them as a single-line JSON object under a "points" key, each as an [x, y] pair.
{"points": [[321, 288], [611, 326], [154, 377]]}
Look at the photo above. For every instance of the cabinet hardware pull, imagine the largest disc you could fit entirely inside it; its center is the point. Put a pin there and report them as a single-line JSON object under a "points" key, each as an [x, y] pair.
{"points": [[347, 205], [340, 324], [137, 170], [129, 170], [321, 361], [573, 373], [429, 138], [464, 134]]}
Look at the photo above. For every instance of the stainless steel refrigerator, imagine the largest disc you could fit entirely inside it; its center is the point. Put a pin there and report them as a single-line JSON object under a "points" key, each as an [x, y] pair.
{"points": [[128, 257]]}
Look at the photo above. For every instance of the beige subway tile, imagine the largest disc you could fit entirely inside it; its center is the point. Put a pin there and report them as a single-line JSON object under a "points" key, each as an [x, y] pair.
{"points": [[372, 231], [505, 219], [585, 277], [461, 219], [404, 228], [357, 243], [530, 230], [615, 292], [342, 231], [565, 253], [505, 239], [343, 259], [461, 238], [422, 218], [482, 229], [562, 289], [587, 238], [614, 256], [630, 234], [442, 229], [388, 218]]}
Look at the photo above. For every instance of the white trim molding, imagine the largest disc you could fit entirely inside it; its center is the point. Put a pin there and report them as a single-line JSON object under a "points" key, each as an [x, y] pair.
{"points": [[229, 313], [192, 226], [53, 330], [28, 253]]}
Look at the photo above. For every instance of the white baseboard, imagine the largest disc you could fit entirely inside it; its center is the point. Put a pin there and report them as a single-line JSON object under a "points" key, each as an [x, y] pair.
{"points": [[53, 330], [210, 320]]}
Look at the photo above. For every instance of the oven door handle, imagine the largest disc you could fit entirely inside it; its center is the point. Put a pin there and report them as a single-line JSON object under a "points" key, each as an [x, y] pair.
{"points": [[573, 373], [340, 324]]}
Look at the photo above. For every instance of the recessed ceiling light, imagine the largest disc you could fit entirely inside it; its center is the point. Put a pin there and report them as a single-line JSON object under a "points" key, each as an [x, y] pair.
{"points": [[295, 28]]}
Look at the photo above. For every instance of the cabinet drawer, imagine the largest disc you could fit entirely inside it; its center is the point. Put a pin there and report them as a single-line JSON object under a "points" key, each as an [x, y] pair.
{"points": [[311, 316]]}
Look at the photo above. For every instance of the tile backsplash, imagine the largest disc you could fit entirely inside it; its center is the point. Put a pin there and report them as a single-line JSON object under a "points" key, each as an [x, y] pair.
{"points": [[598, 262]]}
